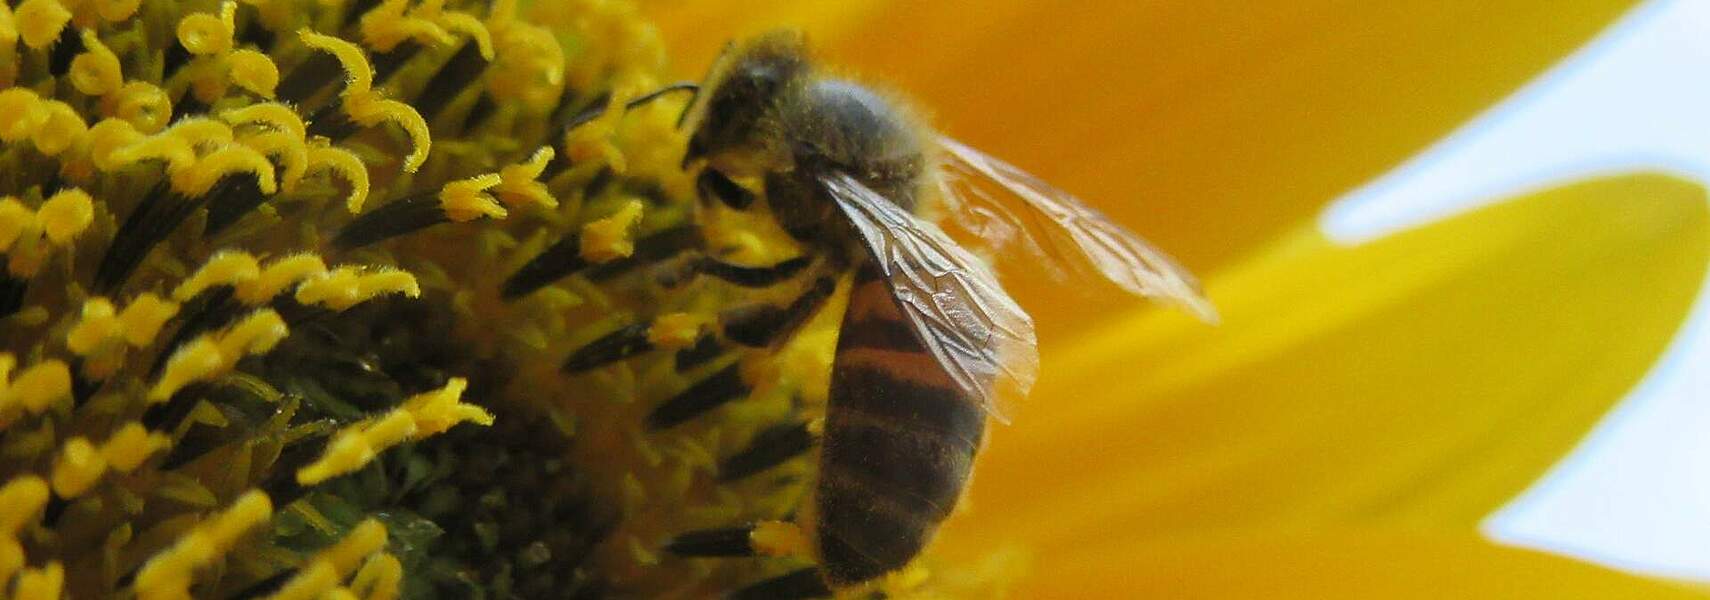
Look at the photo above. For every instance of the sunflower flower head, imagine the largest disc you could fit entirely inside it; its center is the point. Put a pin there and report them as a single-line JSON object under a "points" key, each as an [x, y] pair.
{"points": [[293, 295]]}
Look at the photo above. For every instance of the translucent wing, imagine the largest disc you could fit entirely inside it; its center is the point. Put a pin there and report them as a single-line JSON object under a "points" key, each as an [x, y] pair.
{"points": [[1058, 228], [982, 339]]}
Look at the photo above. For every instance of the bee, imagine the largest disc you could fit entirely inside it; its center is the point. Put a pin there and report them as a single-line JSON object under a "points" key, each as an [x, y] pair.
{"points": [[930, 344]]}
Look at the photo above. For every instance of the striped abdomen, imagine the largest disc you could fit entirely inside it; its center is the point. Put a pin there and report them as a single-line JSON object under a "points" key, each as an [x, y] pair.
{"points": [[899, 441]]}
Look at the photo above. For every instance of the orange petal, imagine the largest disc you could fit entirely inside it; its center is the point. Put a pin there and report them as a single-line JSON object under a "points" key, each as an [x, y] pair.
{"points": [[1337, 564], [1421, 379], [1208, 127]]}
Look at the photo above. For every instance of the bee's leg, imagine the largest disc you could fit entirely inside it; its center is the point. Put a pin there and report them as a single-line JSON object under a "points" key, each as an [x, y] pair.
{"points": [[715, 184]]}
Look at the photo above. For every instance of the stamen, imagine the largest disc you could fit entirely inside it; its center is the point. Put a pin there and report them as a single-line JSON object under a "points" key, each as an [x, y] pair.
{"points": [[769, 448], [211, 355], [380, 578], [253, 71], [36, 388], [39, 22], [226, 267], [346, 165], [517, 183], [420, 416], [146, 106], [96, 72], [675, 331], [710, 393], [46, 583], [344, 287], [609, 239], [279, 275], [61, 128], [204, 34], [21, 113], [167, 576], [467, 200], [363, 104], [323, 572]]}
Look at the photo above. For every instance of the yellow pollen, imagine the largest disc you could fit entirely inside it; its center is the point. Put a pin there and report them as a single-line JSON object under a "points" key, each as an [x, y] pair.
{"points": [[364, 105], [46, 583], [21, 501], [256, 334], [65, 215], [145, 105], [37, 387], [348, 286], [98, 323], [167, 576], [39, 22], [143, 318], [418, 417], [200, 177], [778, 538], [253, 71], [21, 112], [59, 130], [323, 572], [387, 25], [359, 77], [15, 219], [96, 71], [467, 199], [109, 137], [202, 133], [675, 330], [291, 153], [226, 267], [117, 10], [204, 34], [609, 238], [371, 110], [8, 36], [178, 153], [77, 468], [379, 578], [132, 444], [592, 141], [11, 552], [517, 183], [529, 62], [272, 114], [279, 275], [346, 165], [213, 354]]}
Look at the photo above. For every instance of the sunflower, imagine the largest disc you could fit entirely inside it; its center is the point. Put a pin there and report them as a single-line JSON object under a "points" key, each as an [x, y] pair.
{"points": [[1361, 408], [322, 299]]}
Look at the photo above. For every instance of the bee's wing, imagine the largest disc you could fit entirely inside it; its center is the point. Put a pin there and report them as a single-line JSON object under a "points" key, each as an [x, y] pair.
{"points": [[1058, 228], [981, 337]]}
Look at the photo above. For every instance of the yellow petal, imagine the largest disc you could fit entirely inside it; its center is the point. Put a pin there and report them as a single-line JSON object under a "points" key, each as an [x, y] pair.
{"points": [[1339, 564], [1209, 127], [1421, 379]]}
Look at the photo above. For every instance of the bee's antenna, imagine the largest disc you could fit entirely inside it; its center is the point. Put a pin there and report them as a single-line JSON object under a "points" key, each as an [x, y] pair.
{"points": [[599, 106]]}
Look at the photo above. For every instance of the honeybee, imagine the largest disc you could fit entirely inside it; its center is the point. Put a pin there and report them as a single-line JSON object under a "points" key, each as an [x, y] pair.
{"points": [[930, 345]]}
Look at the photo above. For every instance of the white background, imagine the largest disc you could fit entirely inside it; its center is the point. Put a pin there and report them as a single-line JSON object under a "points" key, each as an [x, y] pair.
{"points": [[1636, 493]]}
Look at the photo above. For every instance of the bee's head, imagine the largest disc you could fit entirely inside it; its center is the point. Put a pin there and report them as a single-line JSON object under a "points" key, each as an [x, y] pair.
{"points": [[734, 118]]}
